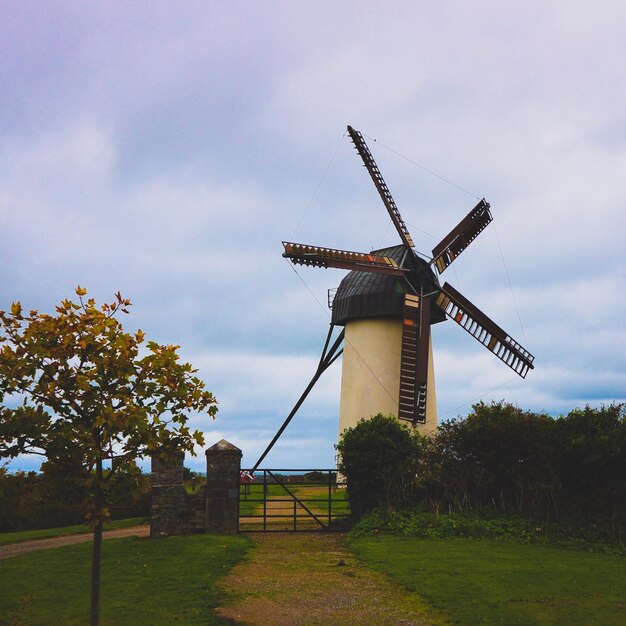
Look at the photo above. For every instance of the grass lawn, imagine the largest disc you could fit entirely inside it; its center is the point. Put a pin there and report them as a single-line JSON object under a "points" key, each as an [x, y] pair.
{"points": [[79, 529], [490, 582], [144, 581]]}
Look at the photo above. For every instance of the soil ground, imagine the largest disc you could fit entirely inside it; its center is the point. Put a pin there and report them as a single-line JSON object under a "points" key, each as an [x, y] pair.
{"points": [[292, 579], [13, 549]]}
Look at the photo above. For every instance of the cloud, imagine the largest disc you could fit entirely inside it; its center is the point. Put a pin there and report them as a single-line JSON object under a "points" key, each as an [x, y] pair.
{"points": [[292, 452], [269, 381], [166, 152]]}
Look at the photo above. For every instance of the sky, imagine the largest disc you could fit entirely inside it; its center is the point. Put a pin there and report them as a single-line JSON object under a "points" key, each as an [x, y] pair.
{"points": [[165, 149]]}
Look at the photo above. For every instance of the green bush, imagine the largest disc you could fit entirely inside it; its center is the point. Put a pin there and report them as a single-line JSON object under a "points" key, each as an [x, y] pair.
{"points": [[377, 457]]}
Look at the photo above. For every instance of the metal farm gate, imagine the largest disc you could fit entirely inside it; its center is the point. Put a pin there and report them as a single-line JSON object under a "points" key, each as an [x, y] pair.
{"points": [[289, 500]]}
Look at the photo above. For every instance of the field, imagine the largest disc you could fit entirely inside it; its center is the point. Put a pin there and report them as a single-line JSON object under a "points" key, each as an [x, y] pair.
{"points": [[489, 582], [144, 581]]}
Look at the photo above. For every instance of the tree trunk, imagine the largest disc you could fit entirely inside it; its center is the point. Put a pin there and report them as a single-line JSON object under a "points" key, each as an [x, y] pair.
{"points": [[97, 547]]}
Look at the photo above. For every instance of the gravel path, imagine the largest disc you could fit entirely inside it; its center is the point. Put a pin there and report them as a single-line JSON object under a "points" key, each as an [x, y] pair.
{"points": [[292, 579], [13, 549]]}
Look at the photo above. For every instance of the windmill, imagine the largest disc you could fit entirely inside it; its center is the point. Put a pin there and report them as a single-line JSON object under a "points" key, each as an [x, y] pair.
{"points": [[386, 305]]}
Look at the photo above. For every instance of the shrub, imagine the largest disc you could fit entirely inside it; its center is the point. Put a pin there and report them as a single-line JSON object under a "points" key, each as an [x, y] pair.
{"points": [[377, 457], [565, 473], [418, 522]]}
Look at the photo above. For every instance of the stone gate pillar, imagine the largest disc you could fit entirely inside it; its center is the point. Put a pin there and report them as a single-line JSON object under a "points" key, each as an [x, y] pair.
{"points": [[223, 464], [167, 494]]}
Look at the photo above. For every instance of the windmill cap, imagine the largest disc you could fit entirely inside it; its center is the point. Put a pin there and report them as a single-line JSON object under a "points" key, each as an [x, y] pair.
{"points": [[366, 294]]}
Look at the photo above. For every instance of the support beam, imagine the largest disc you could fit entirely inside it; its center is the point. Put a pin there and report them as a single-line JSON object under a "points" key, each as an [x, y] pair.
{"points": [[329, 356]]}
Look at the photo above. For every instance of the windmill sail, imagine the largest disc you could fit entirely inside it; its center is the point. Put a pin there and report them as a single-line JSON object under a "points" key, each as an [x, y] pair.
{"points": [[301, 254], [381, 186], [485, 330], [461, 235]]}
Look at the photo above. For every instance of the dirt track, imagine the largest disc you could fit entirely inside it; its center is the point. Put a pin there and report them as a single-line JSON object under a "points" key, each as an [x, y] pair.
{"points": [[14, 549], [292, 579]]}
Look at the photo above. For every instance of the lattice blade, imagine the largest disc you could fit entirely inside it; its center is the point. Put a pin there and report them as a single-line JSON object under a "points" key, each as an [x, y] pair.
{"points": [[461, 235], [414, 359], [381, 186], [302, 254], [485, 330]]}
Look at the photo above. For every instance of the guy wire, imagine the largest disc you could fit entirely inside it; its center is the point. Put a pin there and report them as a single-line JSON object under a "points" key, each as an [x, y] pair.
{"points": [[506, 271], [346, 340], [508, 382], [319, 184], [422, 167], [380, 245]]}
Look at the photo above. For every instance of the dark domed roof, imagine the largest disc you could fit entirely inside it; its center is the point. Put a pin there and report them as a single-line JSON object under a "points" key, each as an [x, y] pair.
{"points": [[366, 294]]}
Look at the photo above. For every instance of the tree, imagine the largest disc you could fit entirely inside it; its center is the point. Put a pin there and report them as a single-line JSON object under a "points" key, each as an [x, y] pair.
{"points": [[377, 457], [592, 464], [79, 390]]}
